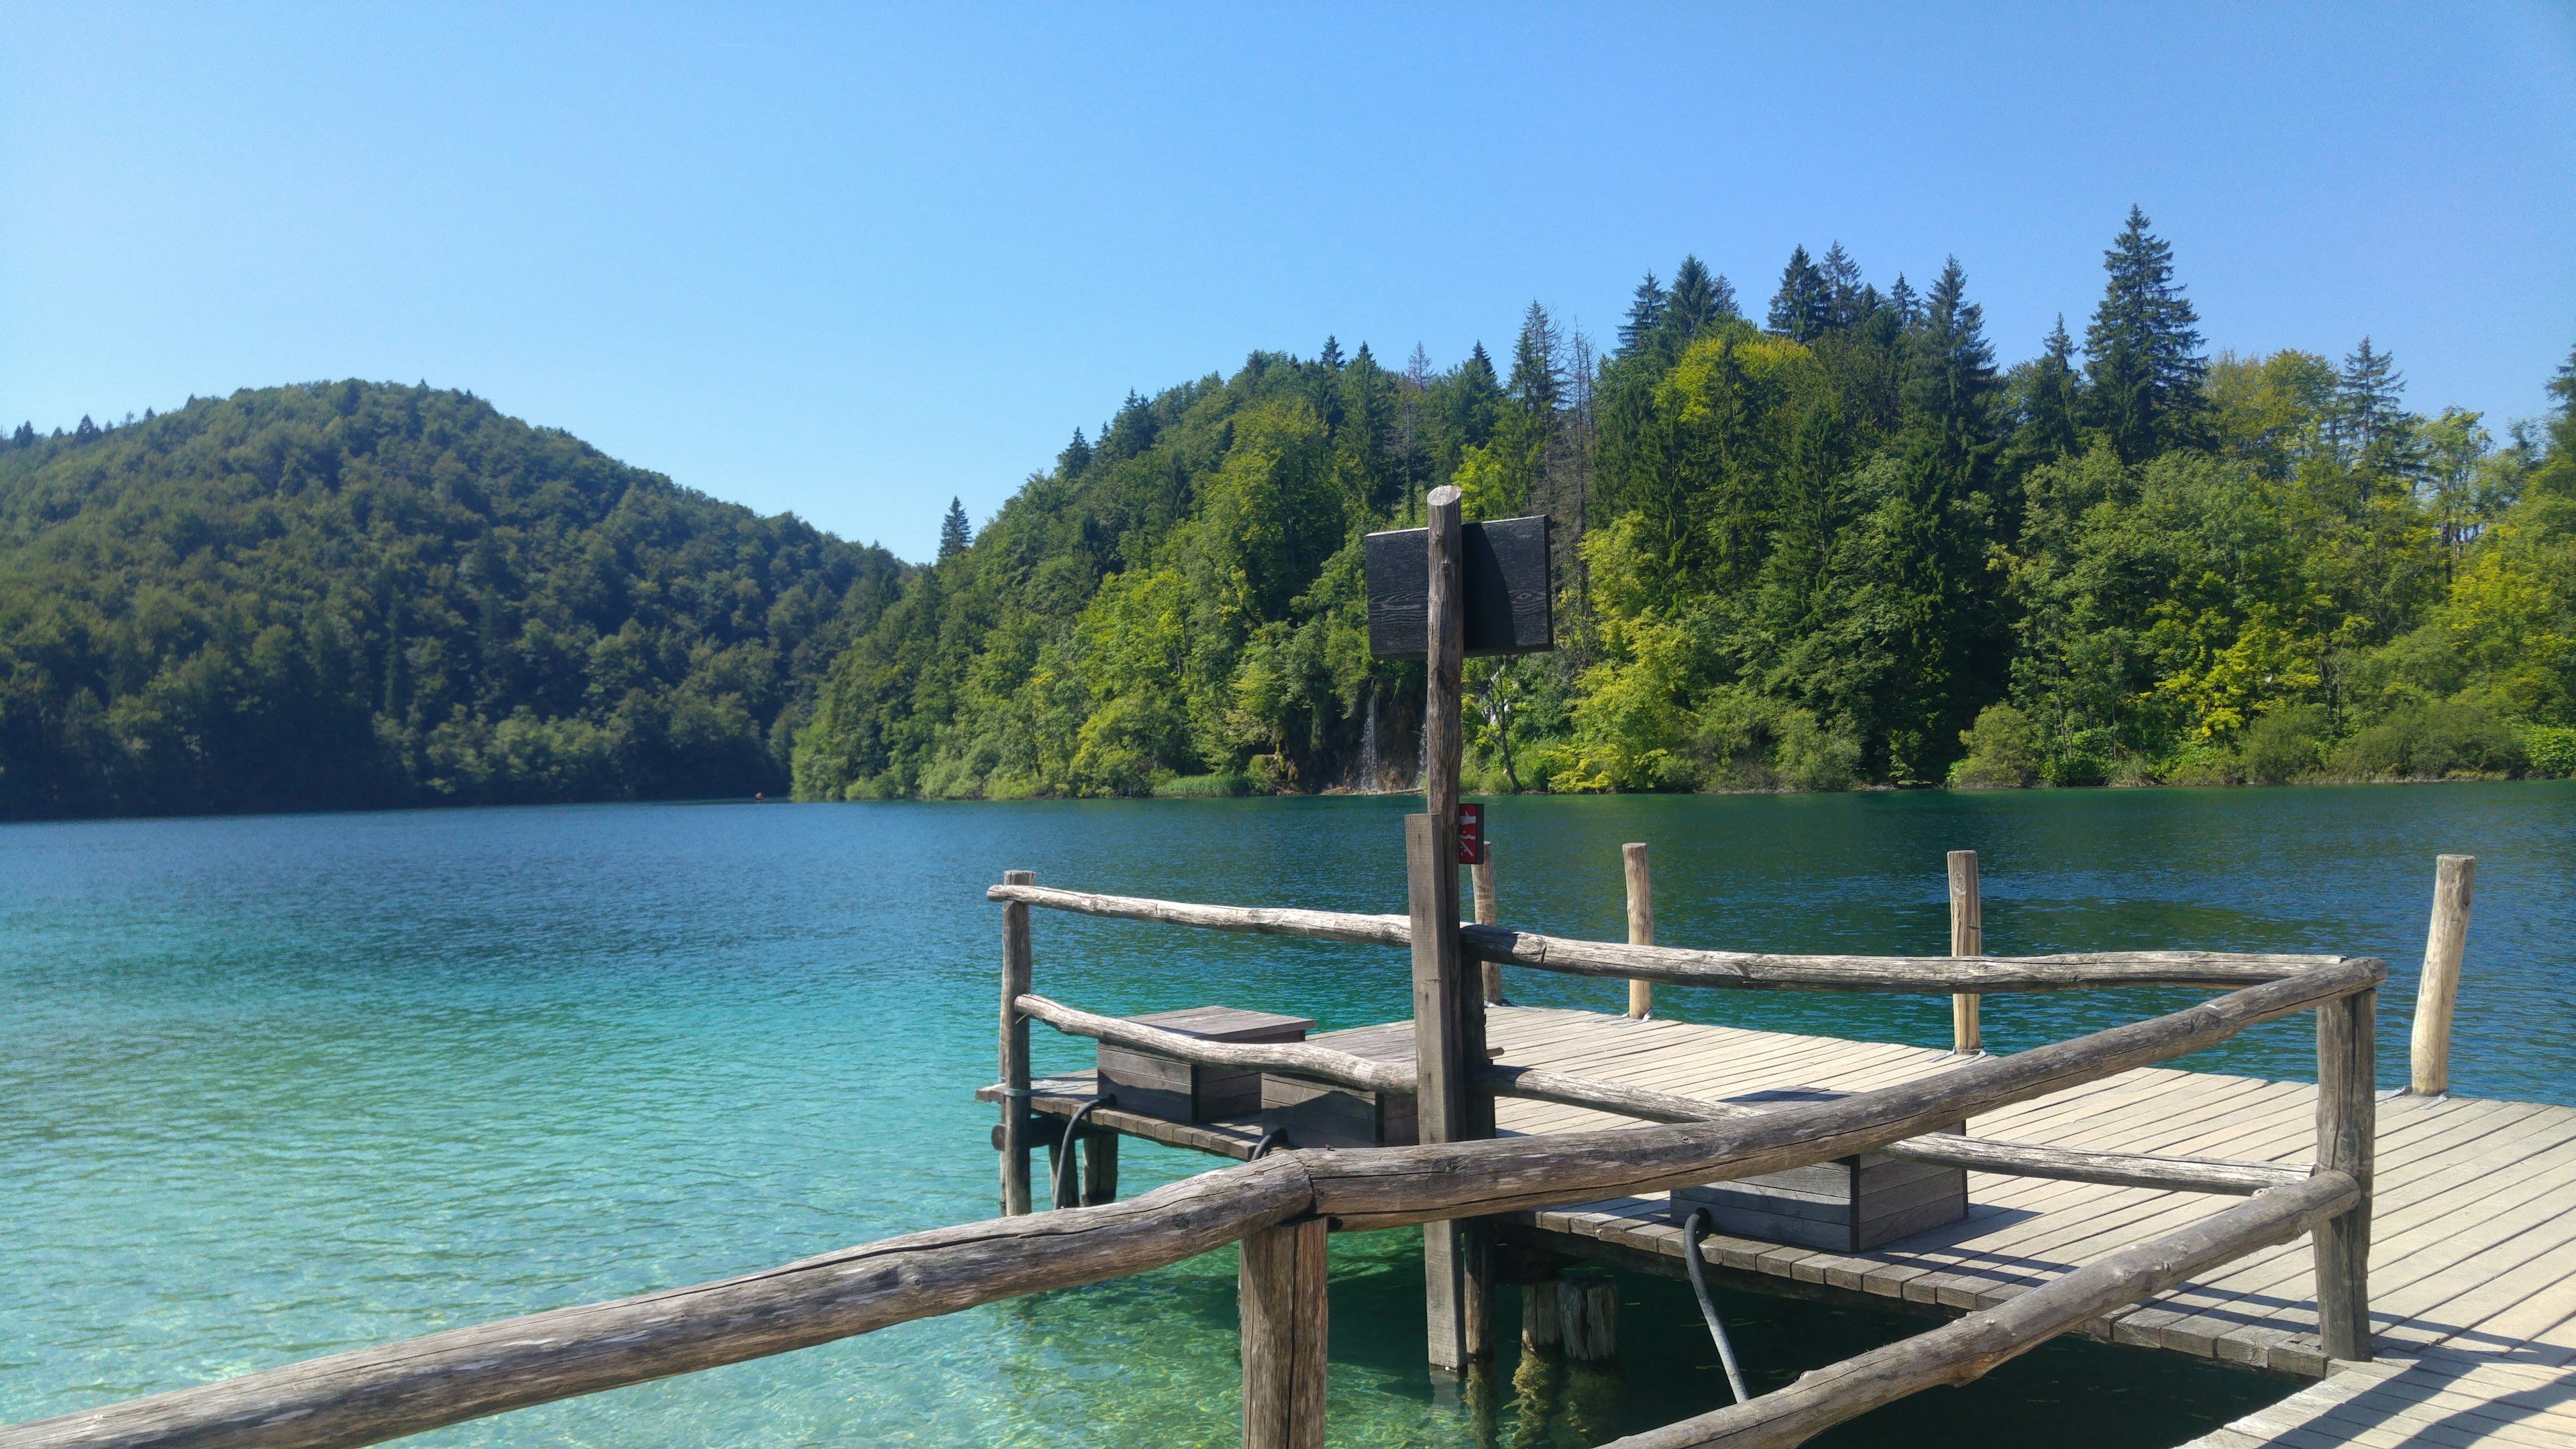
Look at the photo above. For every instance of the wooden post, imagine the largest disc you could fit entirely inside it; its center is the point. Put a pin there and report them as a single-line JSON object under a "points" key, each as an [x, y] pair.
{"points": [[2347, 1139], [1286, 1326], [1448, 1011], [2438, 990], [1100, 1169], [1641, 922], [1482, 874], [1015, 1049], [1967, 938]]}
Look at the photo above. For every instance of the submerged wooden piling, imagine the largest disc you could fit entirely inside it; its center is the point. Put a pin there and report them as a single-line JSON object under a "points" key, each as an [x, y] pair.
{"points": [[2438, 990], [1016, 966], [1967, 939], [1286, 1330], [1641, 922], [1448, 1011]]}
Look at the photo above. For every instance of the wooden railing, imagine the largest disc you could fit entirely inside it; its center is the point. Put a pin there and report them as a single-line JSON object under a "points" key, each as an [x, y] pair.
{"points": [[1280, 1207]]}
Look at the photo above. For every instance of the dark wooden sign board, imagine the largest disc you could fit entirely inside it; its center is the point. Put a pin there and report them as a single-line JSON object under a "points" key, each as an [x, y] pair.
{"points": [[1503, 566]]}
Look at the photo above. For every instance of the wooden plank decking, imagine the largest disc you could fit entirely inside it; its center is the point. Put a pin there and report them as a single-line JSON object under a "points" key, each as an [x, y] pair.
{"points": [[2473, 1257]]}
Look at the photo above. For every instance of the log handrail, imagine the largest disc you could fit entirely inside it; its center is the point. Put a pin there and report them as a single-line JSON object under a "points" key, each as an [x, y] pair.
{"points": [[1965, 1349], [1942, 1149], [1740, 970], [372, 1394]]}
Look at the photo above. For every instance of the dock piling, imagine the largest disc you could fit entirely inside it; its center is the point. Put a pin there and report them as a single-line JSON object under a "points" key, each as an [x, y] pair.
{"points": [[1481, 874], [1015, 1049], [1641, 922], [2347, 1137], [1286, 1330], [2438, 990], [1967, 938]]}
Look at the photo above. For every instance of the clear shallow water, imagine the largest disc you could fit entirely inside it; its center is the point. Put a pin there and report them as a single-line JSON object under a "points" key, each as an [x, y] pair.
{"points": [[271, 1087]]}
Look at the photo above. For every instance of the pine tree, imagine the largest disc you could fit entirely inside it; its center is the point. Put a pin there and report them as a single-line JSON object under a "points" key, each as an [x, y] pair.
{"points": [[1075, 457], [1699, 300], [955, 534], [1332, 357], [1902, 301], [1799, 308], [2049, 401], [1954, 369], [2143, 363], [1845, 303], [2367, 415], [1538, 373], [1645, 316], [25, 437]]}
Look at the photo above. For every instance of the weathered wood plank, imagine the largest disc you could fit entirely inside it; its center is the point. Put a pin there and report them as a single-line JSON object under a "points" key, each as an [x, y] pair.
{"points": [[1305, 1059], [1016, 965], [1963, 1351]]}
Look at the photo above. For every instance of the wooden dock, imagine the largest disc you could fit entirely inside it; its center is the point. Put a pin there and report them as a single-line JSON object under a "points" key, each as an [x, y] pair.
{"points": [[2473, 1262]]}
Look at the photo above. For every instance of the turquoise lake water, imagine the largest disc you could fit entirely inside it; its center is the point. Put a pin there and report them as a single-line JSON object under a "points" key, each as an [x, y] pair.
{"points": [[272, 1087]]}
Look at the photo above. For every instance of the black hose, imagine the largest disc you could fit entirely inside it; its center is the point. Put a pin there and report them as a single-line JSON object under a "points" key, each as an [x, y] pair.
{"points": [[1269, 1139], [1064, 1160], [1699, 1223]]}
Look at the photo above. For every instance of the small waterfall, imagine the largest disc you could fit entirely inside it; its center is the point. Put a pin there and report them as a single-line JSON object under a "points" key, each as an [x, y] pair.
{"points": [[1367, 782]]}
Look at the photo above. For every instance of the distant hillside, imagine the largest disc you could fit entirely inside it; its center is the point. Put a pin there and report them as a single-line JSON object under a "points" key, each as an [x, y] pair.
{"points": [[354, 594]]}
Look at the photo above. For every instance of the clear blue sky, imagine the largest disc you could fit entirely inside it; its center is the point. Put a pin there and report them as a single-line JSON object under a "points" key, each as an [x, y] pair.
{"points": [[850, 263]]}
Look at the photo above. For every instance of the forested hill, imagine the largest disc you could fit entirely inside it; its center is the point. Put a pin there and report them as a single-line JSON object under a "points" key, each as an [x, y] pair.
{"points": [[353, 594], [1832, 545]]}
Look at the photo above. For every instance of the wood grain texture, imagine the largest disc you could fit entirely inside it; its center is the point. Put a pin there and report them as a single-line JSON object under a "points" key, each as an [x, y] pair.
{"points": [[1967, 939], [1404, 1185], [2347, 1142], [1481, 876], [1640, 880], [1504, 567], [1960, 1352], [1737, 969], [374, 1394], [1944, 1149], [1286, 1331], [1017, 965], [1297, 1058], [2438, 991]]}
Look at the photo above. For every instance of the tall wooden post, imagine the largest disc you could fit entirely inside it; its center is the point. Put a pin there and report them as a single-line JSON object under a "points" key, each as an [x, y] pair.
{"points": [[1015, 1049], [2438, 990], [1967, 938], [1641, 921], [1481, 874], [1448, 1010], [1286, 1327], [2347, 1140]]}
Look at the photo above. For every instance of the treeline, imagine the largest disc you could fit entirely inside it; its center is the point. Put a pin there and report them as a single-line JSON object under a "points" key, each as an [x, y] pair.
{"points": [[1836, 546], [351, 594]]}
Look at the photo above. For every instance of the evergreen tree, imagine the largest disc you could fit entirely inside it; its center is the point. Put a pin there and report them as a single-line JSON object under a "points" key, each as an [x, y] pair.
{"points": [[1075, 457], [1332, 357], [1538, 374], [25, 437], [955, 533], [1904, 304], [2367, 417], [2047, 402], [1847, 301], [1800, 308], [1645, 316], [2562, 427], [2143, 363], [1699, 300]]}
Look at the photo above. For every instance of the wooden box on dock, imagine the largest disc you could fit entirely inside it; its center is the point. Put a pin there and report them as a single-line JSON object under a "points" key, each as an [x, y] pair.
{"points": [[1153, 1085], [1848, 1205], [1314, 1114]]}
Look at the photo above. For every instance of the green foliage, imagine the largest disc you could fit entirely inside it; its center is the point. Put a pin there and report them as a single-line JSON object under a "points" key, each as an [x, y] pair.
{"points": [[2003, 751], [2551, 749], [2432, 742], [353, 594], [2285, 745]]}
